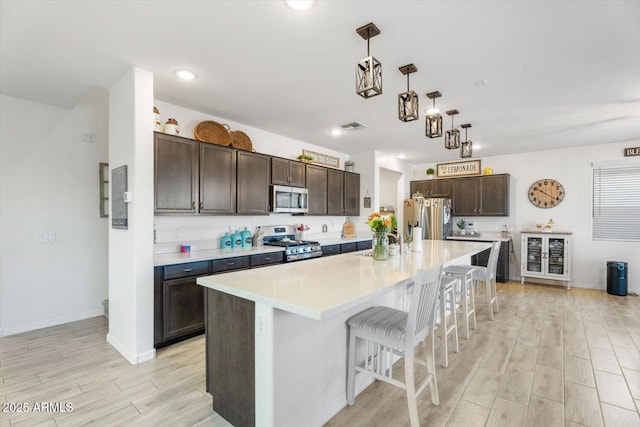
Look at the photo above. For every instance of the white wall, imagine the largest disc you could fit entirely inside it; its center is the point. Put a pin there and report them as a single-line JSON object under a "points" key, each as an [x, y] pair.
{"points": [[389, 187], [572, 167], [49, 184], [131, 250]]}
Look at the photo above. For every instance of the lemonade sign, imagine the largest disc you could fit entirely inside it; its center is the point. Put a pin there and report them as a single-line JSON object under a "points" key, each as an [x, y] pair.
{"points": [[471, 167]]}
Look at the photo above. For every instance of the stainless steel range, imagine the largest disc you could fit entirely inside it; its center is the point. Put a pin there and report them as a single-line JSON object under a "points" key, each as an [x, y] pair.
{"points": [[285, 236]]}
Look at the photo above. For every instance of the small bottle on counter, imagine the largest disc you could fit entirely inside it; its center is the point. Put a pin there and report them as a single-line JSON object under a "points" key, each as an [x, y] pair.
{"points": [[236, 240], [247, 238], [225, 241]]}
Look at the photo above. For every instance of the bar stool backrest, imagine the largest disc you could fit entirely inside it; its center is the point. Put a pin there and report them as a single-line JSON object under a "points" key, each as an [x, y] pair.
{"points": [[423, 305], [492, 264]]}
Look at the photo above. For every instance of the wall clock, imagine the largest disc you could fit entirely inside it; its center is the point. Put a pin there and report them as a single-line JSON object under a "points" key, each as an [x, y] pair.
{"points": [[546, 193]]}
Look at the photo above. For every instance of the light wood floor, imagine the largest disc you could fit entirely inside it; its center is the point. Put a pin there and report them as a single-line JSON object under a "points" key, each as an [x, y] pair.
{"points": [[551, 357]]}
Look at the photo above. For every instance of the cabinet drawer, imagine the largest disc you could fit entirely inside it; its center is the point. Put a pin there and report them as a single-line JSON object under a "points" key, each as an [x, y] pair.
{"points": [[228, 264], [364, 245], [348, 247], [185, 270], [330, 250], [264, 259]]}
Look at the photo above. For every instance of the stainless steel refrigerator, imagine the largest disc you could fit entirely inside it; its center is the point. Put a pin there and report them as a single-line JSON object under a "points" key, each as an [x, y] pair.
{"points": [[432, 214]]}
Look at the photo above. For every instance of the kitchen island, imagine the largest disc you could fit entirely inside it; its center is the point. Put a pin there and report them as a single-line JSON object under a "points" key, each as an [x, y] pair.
{"points": [[276, 337]]}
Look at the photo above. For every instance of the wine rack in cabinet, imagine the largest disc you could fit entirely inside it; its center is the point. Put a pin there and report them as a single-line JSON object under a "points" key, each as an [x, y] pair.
{"points": [[546, 256]]}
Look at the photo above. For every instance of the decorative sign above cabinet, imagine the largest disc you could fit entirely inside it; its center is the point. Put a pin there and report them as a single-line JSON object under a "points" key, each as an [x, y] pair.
{"points": [[323, 159], [632, 151], [471, 167]]}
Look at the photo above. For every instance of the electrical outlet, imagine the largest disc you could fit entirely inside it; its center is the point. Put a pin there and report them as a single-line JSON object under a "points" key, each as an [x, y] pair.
{"points": [[47, 237], [261, 325], [88, 137], [180, 232]]}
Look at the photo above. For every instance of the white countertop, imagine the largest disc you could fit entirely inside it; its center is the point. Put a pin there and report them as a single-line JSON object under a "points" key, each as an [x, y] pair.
{"points": [[209, 254], [321, 287], [324, 241], [170, 258], [481, 238]]}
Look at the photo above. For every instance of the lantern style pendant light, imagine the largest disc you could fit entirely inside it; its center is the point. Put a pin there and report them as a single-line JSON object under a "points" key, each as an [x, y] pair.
{"points": [[433, 121], [452, 136], [368, 70], [466, 146], [408, 101]]}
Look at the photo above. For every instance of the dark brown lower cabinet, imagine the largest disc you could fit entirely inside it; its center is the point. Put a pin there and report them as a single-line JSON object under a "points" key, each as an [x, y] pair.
{"points": [[366, 244], [179, 307], [178, 302], [183, 307], [230, 356]]}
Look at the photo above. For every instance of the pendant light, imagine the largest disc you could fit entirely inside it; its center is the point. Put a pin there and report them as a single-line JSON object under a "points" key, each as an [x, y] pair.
{"points": [[368, 70], [452, 136], [433, 120], [408, 101], [466, 146]]}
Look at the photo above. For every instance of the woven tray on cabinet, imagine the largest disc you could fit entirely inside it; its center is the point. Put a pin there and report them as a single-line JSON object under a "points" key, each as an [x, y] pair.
{"points": [[241, 140], [213, 132]]}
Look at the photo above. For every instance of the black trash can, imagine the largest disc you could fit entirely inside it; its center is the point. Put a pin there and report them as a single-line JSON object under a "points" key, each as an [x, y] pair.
{"points": [[617, 278]]}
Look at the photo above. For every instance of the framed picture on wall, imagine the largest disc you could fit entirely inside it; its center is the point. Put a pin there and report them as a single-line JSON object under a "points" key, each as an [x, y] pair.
{"points": [[120, 217]]}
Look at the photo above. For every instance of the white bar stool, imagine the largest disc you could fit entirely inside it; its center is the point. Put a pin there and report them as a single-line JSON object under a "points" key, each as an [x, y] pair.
{"points": [[388, 332], [466, 296], [447, 297]]}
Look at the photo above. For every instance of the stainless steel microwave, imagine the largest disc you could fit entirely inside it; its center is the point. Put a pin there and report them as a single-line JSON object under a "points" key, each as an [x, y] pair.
{"points": [[283, 199]]}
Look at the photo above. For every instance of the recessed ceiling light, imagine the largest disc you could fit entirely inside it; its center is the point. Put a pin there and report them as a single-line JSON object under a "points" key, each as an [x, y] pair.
{"points": [[336, 132], [402, 156], [300, 4], [185, 74]]}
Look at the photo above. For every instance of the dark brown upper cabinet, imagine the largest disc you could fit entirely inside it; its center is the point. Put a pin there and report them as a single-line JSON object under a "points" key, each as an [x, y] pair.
{"points": [[316, 183], [217, 179], [335, 192], [175, 174], [494, 195], [343, 193], [481, 196], [253, 179], [351, 194], [432, 187], [193, 177], [287, 172]]}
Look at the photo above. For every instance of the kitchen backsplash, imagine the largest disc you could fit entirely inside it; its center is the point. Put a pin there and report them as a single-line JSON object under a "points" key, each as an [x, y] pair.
{"points": [[204, 232]]}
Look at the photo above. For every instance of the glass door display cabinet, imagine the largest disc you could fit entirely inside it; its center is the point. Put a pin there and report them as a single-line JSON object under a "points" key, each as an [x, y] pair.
{"points": [[546, 256]]}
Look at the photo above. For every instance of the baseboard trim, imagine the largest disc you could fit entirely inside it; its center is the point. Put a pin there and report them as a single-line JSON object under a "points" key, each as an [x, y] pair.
{"points": [[131, 357], [51, 322]]}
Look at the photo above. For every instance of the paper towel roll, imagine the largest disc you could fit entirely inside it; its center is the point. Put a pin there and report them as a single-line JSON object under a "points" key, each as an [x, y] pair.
{"points": [[416, 243]]}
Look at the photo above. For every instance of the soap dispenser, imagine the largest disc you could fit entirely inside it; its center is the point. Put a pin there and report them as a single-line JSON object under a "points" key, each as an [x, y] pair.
{"points": [[225, 241], [247, 239], [236, 240]]}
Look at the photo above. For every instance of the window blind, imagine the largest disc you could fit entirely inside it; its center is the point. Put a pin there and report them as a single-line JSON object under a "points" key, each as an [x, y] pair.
{"points": [[616, 203]]}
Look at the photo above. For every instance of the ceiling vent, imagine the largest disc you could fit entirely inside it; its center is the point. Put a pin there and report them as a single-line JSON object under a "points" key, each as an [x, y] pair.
{"points": [[353, 126]]}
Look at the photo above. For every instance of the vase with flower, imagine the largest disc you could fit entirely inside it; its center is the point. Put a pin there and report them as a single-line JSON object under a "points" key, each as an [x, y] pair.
{"points": [[380, 225]]}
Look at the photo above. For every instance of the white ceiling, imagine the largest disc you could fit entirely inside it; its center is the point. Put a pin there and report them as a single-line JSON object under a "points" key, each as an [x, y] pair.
{"points": [[561, 73]]}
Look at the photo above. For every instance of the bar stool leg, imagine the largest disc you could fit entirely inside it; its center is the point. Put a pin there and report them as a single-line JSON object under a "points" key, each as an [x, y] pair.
{"points": [[472, 300]]}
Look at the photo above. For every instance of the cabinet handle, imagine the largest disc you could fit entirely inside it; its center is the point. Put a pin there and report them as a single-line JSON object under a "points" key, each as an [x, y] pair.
{"points": [[231, 263], [201, 205], [267, 258], [193, 205], [186, 270]]}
